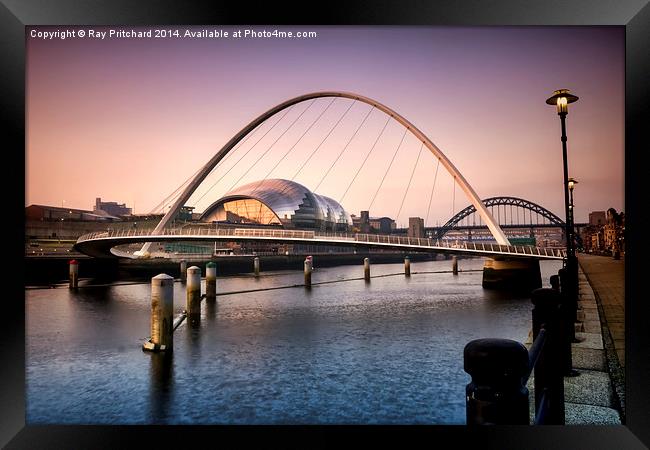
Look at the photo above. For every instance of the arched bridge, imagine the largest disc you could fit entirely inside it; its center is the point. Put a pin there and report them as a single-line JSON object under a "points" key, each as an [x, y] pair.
{"points": [[517, 203], [101, 244]]}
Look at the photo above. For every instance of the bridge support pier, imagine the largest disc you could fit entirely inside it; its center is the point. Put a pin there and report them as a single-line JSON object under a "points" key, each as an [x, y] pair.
{"points": [[74, 274], [512, 274], [162, 314], [194, 295], [211, 281], [454, 265], [256, 266], [407, 266], [308, 269], [366, 270], [183, 275]]}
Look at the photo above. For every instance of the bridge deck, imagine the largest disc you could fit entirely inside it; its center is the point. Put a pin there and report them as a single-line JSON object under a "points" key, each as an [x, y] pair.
{"points": [[100, 243]]}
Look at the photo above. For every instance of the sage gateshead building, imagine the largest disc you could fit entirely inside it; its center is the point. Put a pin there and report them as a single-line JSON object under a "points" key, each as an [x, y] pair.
{"points": [[281, 203]]}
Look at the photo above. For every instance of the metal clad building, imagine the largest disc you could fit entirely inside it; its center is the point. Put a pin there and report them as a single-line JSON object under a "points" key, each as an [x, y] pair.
{"points": [[279, 202]]}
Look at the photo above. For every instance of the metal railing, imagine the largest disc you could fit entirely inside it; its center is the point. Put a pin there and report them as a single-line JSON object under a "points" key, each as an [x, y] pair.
{"points": [[389, 240], [501, 368]]}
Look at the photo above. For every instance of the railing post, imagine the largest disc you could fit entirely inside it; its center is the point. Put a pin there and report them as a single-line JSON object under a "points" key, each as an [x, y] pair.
{"points": [[496, 394], [454, 265], [549, 370]]}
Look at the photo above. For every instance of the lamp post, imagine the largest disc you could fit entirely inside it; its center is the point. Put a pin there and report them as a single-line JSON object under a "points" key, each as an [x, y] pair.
{"points": [[561, 99], [572, 182]]}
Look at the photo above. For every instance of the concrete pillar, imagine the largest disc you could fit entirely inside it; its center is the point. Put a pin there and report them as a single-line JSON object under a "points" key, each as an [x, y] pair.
{"points": [[74, 274], [454, 265], [407, 266], [183, 271], [308, 270], [366, 269], [512, 274], [211, 281], [256, 266], [162, 313], [194, 295]]}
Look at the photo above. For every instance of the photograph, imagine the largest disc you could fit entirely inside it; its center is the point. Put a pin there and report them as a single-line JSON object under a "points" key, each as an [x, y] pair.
{"points": [[303, 226]]}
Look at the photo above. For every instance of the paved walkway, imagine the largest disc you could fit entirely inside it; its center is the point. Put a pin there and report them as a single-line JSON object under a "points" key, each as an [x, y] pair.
{"points": [[596, 396], [604, 278]]}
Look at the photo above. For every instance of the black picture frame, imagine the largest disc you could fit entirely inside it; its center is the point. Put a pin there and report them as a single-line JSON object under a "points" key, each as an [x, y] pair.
{"points": [[634, 15]]}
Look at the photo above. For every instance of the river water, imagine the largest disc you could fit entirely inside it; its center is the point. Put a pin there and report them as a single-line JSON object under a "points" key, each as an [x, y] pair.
{"points": [[387, 352]]}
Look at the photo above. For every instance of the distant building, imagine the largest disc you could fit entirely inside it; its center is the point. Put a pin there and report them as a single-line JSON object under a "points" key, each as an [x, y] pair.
{"points": [[186, 213], [384, 225], [111, 208], [416, 227], [47, 213], [597, 218]]}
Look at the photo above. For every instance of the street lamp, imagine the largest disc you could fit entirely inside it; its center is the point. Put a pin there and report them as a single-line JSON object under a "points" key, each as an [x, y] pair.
{"points": [[561, 99]]}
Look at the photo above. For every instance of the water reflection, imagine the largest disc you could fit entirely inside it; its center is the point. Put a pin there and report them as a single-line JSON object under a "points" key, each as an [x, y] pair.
{"points": [[161, 386]]}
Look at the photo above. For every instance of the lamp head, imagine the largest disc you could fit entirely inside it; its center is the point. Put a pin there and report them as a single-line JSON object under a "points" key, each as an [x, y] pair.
{"points": [[572, 182], [561, 98]]}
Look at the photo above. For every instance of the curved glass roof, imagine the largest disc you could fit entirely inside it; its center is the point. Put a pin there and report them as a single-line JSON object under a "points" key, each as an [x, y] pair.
{"points": [[292, 202]]}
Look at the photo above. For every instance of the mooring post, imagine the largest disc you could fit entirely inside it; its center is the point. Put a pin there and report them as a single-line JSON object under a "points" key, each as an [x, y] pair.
{"points": [[366, 269], [256, 266], [496, 394], [183, 271], [194, 295], [74, 274], [454, 265], [211, 281], [550, 367], [308, 270], [407, 266], [162, 313]]}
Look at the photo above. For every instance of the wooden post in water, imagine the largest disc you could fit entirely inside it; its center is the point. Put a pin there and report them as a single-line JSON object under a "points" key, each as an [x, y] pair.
{"points": [[194, 295], [366, 269], [162, 313], [308, 270], [74, 274], [211, 281], [256, 266], [183, 271], [407, 266], [454, 265]]}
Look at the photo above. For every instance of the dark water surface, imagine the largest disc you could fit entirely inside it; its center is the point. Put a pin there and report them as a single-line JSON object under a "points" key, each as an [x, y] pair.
{"points": [[387, 352]]}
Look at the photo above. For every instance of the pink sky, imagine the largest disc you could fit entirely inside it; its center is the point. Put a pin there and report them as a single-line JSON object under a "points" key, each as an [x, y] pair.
{"points": [[129, 120]]}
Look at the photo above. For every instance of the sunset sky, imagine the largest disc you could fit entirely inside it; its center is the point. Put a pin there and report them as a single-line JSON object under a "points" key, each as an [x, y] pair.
{"points": [[129, 120]]}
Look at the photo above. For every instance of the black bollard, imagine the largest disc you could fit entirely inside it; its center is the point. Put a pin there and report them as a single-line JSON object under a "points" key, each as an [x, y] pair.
{"points": [[496, 395], [569, 301], [550, 366]]}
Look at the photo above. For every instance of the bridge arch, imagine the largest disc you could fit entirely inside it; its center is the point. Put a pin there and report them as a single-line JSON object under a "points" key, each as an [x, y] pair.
{"points": [[499, 201], [496, 231]]}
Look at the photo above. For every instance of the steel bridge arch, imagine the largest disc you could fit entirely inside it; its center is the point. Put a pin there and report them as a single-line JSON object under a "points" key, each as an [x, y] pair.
{"points": [[498, 201], [496, 231]]}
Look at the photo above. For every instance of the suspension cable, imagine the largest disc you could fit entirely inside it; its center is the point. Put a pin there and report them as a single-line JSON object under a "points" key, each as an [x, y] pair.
{"points": [[246, 153], [321, 142], [432, 188], [365, 159], [268, 149], [296, 143], [409, 185], [388, 169], [344, 148]]}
